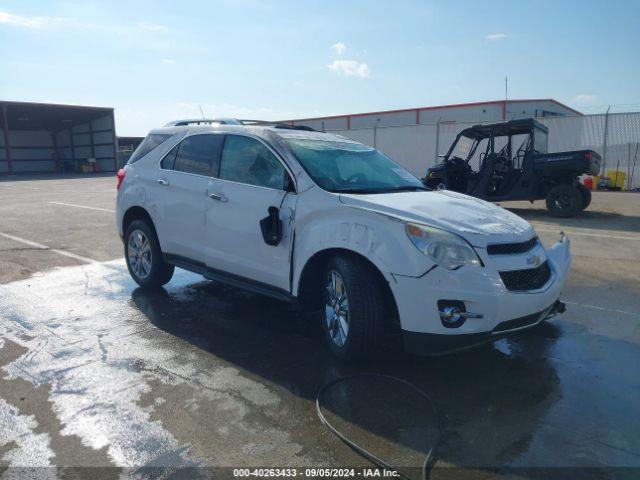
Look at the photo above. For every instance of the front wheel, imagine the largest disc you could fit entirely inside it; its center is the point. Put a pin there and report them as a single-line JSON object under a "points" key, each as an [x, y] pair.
{"points": [[354, 308], [564, 201], [144, 257]]}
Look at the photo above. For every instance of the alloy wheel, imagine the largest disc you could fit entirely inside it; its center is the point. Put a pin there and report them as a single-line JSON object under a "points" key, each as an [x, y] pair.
{"points": [[337, 309], [139, 251]]}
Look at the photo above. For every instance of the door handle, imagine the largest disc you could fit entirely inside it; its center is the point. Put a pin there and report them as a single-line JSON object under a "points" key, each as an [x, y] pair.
{"points": [[218, 197], [162, 182]]}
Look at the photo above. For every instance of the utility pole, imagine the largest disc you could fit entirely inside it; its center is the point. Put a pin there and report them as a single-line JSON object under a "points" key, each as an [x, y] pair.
{"points": [[375, 133], [604, 142], [506, 97], [437, 140]]}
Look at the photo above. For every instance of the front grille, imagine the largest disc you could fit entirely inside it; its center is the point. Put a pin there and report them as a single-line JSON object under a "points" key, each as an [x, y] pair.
{"points": [[512, 248], [529, 279]]}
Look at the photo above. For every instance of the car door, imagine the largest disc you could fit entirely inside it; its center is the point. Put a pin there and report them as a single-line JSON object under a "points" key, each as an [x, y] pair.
{"points": [[251, 179], [184, 175]]}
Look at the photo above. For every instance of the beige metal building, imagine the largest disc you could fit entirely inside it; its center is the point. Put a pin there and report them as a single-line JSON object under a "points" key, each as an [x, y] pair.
{"points": [[477, 112]]}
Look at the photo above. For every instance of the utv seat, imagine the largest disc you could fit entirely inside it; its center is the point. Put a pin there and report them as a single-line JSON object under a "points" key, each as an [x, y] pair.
{"points": [[483, 177], [509, 180]]}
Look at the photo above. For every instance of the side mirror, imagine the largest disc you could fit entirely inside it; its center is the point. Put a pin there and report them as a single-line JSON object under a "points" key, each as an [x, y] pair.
{"points": [[271, 227]]}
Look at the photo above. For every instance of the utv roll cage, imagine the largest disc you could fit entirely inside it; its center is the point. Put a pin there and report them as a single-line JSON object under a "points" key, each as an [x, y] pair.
{"points": [[525, 126], [512, 127]]}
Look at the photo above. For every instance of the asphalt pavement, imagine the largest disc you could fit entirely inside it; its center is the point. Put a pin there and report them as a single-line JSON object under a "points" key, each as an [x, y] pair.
{"points": [[95, 372]]}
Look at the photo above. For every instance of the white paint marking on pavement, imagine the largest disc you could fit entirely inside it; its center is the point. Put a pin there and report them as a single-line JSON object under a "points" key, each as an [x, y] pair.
{"points": [[40, 246], [584, 234], [604, 309], [83, 206]]}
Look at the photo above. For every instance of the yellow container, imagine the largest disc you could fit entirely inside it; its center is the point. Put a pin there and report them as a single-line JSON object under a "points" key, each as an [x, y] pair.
{"points": [[618, 179], [596, 179]]}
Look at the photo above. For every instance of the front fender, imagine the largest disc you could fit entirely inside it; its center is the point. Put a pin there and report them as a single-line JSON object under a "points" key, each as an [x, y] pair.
{"points": [[378, 238]]}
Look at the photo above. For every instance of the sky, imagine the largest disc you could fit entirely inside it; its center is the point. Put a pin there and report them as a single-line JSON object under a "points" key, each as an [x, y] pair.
{"points": [[156, 61]]}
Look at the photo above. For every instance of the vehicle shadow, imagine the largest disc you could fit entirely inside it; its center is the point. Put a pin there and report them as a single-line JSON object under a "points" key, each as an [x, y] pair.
{"points": [[490, 399], [593, 220]]}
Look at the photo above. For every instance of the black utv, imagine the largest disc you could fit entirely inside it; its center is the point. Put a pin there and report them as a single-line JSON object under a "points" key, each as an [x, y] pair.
{"points": [[511, 163]]}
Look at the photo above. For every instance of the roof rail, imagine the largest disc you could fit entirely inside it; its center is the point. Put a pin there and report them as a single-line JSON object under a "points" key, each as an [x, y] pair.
{"points": [[266, 123], [235, 121], [203, 121]]}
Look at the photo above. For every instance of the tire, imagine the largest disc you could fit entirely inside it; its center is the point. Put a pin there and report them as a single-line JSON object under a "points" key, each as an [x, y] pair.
{"points": [[144, 257], [365, 308], [564, 200], [586, 196]]}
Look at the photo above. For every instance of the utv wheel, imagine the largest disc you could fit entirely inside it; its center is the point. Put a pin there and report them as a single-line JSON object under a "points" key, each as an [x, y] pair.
{"points": [[586, 196], [564, 200], [354, 308], [144, 257]]}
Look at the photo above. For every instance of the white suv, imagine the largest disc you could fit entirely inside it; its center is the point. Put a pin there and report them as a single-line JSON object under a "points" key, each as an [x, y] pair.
{"points": [[337, 227]]}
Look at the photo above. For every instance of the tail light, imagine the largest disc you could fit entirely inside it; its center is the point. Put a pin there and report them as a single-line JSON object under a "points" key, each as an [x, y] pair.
{"points": [[121, 173], [587, 155]]}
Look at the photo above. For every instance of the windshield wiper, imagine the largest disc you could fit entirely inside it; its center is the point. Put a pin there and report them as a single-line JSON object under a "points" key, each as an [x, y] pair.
{"points": [[408, 188], [364, 191]]}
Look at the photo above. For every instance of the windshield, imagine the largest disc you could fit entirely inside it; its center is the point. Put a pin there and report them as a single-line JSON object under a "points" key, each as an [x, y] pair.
{"points": [[540, 141], [349, 167], [462, 148]]}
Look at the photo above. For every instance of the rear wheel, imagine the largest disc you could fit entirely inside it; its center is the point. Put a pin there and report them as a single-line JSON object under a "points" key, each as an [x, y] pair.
{"points": [[564, 200], [144, 257], [354, 309], [586, 196]]}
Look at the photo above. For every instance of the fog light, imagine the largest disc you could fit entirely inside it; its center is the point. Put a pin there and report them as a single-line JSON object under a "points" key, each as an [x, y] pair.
{"points": [[453, 313], [450, 314]]}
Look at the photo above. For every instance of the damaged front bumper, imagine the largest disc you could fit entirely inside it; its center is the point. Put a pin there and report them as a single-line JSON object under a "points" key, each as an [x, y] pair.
{"points": [[435, 344], [497, 311]]}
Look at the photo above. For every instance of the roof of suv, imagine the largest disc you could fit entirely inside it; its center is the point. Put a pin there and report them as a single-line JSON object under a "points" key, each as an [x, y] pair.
{"points": [[236, 121], [256, 127]]}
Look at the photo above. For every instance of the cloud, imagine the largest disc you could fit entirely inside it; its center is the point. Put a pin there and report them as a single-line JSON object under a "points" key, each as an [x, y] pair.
{"points": [[585, 98], [168, 61], [339, 48], [494, 37], [350, 68], [27, 22], [37, 23]]}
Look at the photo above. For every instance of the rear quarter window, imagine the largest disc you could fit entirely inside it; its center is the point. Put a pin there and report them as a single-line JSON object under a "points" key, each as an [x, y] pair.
{"points": [[151, 142]]}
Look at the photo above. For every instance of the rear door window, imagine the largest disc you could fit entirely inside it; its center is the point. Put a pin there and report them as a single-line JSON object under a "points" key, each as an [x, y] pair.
{"points": [[169, 159], [198, 154], [151, 142]]}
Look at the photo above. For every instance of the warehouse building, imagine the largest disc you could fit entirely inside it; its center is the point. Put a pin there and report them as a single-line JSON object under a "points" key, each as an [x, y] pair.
{"points": [[49, 138], [464, 112]]}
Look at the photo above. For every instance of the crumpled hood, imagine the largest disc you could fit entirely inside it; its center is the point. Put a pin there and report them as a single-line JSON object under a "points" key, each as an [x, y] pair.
{"points": [[479, 222]]}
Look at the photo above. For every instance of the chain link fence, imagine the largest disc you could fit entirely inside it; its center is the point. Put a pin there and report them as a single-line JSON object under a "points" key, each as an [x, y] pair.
{"points": [[615, 136]]}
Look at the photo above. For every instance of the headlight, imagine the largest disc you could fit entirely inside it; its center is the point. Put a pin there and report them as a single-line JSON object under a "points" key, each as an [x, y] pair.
{"points": [[444, 248]]}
